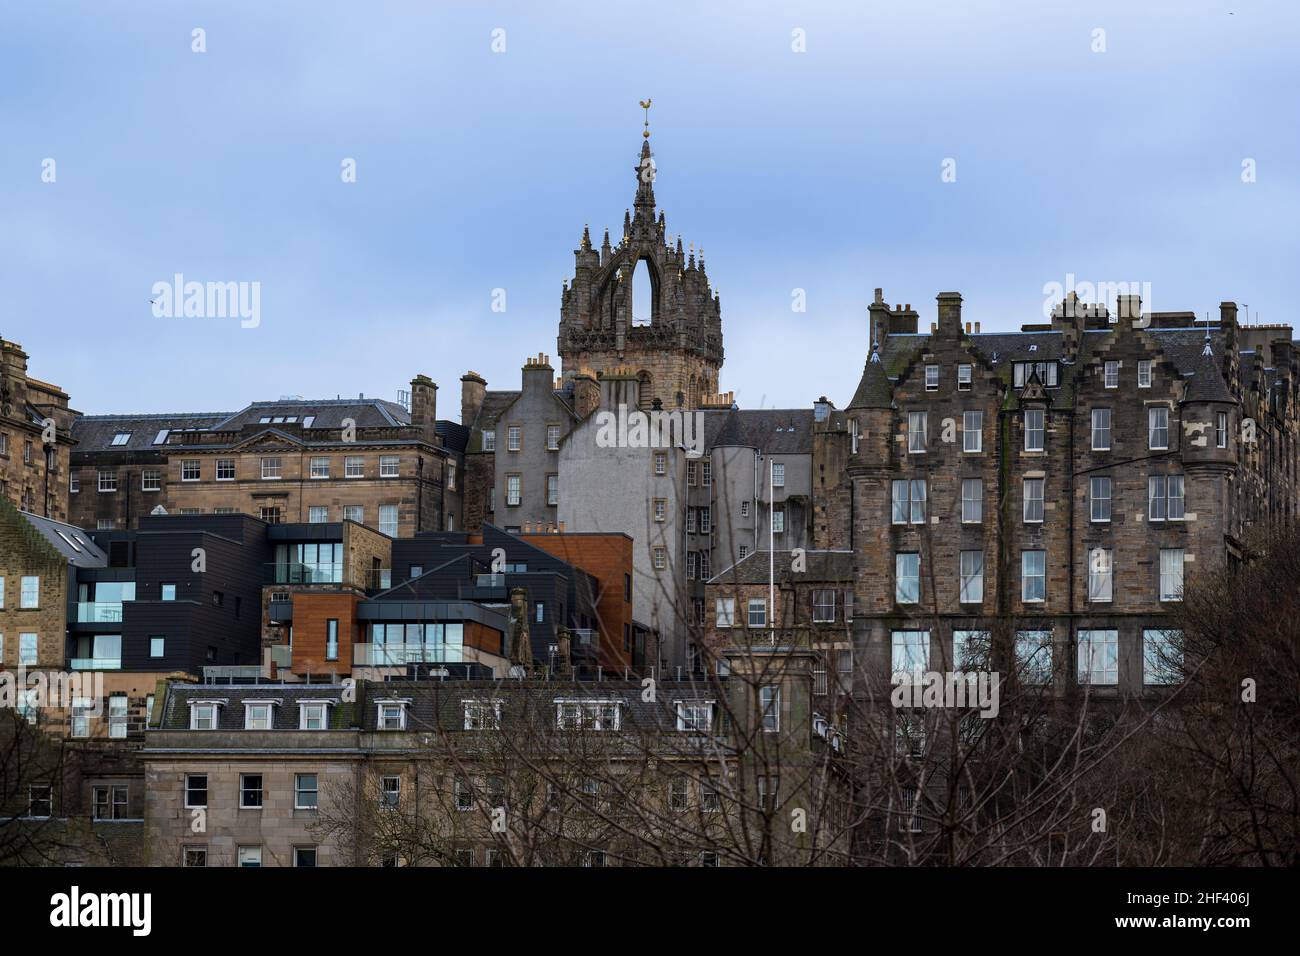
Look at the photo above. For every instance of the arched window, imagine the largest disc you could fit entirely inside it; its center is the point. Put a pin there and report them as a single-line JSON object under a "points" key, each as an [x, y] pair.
{"points": [[642, 294]]}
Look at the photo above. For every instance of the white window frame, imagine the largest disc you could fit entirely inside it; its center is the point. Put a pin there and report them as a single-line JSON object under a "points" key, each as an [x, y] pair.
{"points": [[354, 466], [1034, 505], [725, 612], [213, 710], [1101, 576], [390, 466], [320, 467], [1039, 416], [481, 713], [1144, 373], [1110, 374], [221, 466], [1100, 502], [1101, 432], [918, 427], [1155, 412], [383, 710], [272, 469], [972, 502], [903, 561], [1095, 644], [305, 709], [1171, 589], [972, 426], [1026, 577], [970, 573], [191, 469]]}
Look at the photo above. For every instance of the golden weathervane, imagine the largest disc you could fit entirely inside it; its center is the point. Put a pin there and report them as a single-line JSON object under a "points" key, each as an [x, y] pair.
{"points": [[645, 105]]}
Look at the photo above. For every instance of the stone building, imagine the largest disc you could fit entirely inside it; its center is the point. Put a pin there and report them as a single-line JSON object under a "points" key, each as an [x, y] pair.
{"points": [[294, 460], [675, 348], [512, 448], [1060, 484], [493, 773], [35, 438]]}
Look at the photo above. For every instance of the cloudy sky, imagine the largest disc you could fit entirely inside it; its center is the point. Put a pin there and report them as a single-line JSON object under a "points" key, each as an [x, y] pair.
{"points": [[1103, 141]]}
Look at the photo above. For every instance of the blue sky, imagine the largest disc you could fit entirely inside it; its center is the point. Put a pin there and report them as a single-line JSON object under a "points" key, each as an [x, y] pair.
{"points": [[476, 170]]}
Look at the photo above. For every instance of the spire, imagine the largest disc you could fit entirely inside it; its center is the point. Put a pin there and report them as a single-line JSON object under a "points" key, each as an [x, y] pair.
{"points": [[586, 238], [645, 173]]}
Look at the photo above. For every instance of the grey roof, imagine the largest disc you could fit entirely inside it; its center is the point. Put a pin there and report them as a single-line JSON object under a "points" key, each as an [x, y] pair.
{"points": [[874, 390], [454, 436], [821, 566], [1206, 384], [774, 431], [328, 413], [96, 432], [1181, 347], [432, 704], [70, 541]]}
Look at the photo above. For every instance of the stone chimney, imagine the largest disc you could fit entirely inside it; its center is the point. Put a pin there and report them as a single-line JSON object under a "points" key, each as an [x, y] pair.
{"points": [[472, 389], [949, 314], [878, 321], [424, 408], [538, 376], [586, 392], [1128, 310]]}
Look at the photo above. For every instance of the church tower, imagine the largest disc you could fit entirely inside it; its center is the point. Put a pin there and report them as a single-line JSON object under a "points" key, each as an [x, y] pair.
{"points": [[676, 349]]}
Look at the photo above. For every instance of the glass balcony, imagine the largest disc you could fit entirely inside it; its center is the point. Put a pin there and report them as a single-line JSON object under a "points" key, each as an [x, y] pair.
{"points": [[293, 572], [399, 655], [99, 612], [96, 664]]}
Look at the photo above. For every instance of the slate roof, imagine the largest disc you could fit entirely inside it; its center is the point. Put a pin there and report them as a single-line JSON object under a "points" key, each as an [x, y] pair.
{"points": [[787, 431], [432, 704], [76, 546], [328, 413], [454, 436], [95, 432], [1182, 347], [753, 568]]}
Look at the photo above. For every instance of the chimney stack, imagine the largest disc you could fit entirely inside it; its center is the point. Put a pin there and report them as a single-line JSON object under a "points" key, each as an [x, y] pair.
{"points": [[424, 408], [472, 389], [949, 313]]}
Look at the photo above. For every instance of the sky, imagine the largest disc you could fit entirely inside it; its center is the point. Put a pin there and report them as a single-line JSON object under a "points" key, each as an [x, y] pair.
{"points": [[994, 149]]}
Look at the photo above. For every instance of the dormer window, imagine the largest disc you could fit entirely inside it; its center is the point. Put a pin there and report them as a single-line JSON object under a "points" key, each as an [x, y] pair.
{"points": [[314, 714], [695, 716], [587, 714], [204, 714], [392, 714], [1047, 373], [260, 714]]}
